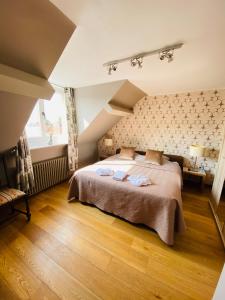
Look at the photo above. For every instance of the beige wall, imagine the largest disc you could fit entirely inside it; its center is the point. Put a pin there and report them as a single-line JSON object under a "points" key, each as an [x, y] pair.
{"points": [[34, 36], [91, 100], [14, 113], [88, 153], [93, 119], [45, 153], [172, 123]]}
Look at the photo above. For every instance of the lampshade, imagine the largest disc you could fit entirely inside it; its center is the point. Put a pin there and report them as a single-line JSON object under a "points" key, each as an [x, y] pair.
{"points": [[108, 142], [196, 150]]}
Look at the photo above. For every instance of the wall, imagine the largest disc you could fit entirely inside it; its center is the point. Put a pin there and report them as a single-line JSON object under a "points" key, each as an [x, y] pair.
{"points": [[88, 153], [14, 113], [34, 36], [172, 123], [90, 101], [93, 118], [39, 154]]}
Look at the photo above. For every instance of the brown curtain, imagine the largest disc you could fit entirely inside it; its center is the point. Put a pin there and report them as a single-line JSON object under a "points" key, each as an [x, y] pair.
{"points": [[72, 129], [25, 175]]}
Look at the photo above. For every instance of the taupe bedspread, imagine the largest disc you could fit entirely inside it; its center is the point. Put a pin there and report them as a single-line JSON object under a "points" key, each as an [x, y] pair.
{"points": [[158, 206]]}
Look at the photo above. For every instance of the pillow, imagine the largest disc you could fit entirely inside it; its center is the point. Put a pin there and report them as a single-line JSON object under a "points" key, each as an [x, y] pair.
{"points": [[127, 152], [153, 157]]}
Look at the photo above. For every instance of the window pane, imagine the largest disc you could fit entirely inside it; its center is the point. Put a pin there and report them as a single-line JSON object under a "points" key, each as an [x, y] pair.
{"points": [[33, 127], [51, 127]]}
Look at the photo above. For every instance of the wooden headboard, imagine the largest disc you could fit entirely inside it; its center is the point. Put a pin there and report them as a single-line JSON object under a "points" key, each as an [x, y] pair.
{"points": [[177, 158]]}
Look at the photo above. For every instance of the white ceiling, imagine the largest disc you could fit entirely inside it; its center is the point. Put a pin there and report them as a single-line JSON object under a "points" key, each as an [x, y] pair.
{"points": [[108, 30]]}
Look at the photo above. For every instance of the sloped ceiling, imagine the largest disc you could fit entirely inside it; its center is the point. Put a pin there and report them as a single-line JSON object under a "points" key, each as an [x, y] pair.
{"points": [[127, 96], [32, 37], [96, 117], [13, 116], [108, 30], [91, 100]]}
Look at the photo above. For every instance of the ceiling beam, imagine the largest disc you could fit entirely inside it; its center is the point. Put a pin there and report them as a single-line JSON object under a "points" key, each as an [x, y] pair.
{"points": [[118, 110], [21, 83]]}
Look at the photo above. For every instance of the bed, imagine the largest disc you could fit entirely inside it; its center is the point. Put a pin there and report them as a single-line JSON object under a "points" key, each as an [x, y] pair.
{"points": [[159, 205]]}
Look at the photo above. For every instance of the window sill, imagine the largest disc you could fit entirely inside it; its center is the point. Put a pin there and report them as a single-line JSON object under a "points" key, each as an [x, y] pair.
{"points": [[44, 153], [47, 147]]}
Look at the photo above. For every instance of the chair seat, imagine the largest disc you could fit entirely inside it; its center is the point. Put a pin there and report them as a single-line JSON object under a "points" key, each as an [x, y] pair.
{"points": [[8, 195]]}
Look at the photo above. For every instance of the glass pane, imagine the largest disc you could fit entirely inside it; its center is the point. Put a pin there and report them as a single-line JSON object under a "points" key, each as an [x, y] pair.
{"points": [[33, 127], [54, 120], [47, 124]]}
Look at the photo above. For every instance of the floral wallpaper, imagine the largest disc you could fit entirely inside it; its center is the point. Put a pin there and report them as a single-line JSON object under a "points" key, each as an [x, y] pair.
{"points": [[172, 123]]}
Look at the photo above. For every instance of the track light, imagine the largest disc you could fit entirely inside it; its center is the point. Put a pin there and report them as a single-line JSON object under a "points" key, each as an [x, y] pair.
{"points": [[137, 60], [168, 54], [112, 67]]}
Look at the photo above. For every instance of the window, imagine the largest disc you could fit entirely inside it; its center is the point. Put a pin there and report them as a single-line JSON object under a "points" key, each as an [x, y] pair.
{"points": [[47, 124]]}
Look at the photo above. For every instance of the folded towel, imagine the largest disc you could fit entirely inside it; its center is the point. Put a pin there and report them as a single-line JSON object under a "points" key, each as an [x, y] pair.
{"points": [[104, 172], [119, 175], [139, 180]]}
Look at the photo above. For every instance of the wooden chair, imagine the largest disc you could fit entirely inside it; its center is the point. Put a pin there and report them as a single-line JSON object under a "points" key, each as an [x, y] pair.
{"points": [[9, 196]]}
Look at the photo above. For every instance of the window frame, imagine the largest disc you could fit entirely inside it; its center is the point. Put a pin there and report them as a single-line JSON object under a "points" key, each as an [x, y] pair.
{"points": [[40, 103]]}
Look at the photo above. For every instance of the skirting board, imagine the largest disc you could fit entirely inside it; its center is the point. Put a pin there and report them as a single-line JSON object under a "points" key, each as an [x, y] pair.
{"points": [[217, 223]]}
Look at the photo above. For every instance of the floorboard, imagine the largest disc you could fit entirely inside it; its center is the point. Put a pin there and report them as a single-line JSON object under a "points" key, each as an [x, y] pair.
{"points": [[75, 251]]}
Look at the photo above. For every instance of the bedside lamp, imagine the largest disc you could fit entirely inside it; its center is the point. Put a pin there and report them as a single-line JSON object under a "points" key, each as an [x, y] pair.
{"points": [[108, 142], [196, 151]]}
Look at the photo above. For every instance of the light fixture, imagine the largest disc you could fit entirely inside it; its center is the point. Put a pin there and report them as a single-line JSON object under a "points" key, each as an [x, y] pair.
{"points": [[196, 151], [137, 60], [168, 54], [112, 67], [108, 142]]}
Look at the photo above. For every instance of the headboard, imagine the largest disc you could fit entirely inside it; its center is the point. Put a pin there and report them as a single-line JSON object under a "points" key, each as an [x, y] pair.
{"points": [[177, 158]]}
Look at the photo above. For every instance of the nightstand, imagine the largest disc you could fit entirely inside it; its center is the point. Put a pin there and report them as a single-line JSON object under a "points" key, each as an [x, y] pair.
{"points": [[193, 175]]}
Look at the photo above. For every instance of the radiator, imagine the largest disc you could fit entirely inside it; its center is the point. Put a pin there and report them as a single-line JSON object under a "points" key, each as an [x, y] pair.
{"points": [[49, 172]]}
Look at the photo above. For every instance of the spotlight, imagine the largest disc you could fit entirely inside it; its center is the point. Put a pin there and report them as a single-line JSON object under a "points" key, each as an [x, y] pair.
{"points": [[170, 57], [133, 62], [139, 62], [166, 54], [112, 67], [161, 56], [136, 61]]}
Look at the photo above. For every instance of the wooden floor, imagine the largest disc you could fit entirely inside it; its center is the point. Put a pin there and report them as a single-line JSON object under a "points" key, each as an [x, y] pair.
{"points": [[74, 251]]}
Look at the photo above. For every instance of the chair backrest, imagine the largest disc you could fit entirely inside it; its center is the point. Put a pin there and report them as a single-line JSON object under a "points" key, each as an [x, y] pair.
{"points": [[5, 179]]}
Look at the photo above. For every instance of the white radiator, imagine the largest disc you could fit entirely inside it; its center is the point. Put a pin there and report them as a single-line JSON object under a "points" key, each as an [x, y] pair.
{"points": [[49, 172]]}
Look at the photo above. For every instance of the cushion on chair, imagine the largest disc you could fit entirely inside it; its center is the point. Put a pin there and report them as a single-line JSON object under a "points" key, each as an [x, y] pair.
{"points": [[8, 194]]}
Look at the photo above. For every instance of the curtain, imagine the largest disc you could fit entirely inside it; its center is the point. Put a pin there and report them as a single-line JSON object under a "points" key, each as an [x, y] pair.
{"points": [[72, 129], [25, 175]]}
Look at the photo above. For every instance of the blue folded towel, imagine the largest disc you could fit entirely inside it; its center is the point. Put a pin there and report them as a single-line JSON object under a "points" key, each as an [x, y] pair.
{"points": [[119, 175], [104, 172], [139, 180]]}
